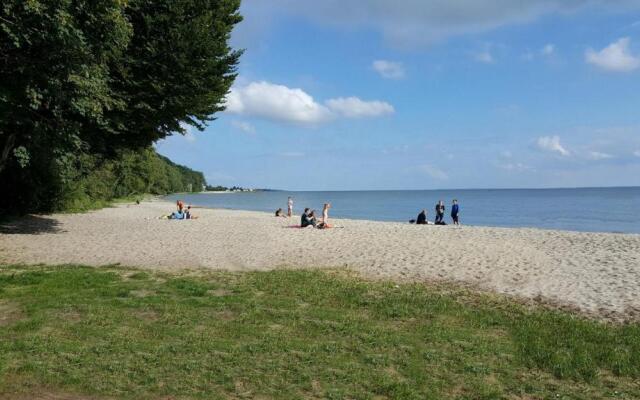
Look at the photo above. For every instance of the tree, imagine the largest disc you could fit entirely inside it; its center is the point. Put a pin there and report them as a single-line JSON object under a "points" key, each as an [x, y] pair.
{"points": [[100, 76], [177, 69], [54, 74]]}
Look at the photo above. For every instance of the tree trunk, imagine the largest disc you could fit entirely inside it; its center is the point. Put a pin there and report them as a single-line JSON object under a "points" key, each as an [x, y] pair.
{"points": [[6, 150]]}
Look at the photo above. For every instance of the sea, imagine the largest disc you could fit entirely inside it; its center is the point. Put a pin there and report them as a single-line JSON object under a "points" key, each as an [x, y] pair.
{"points": [[576, 209]]}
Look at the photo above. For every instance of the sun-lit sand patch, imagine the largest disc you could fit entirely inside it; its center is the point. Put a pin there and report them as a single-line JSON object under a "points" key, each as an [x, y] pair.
{"points": [[597, 273]]}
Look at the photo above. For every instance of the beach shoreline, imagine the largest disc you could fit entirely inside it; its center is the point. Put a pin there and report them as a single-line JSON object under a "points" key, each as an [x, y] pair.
{"points": [[577, 210], [594, 273]]}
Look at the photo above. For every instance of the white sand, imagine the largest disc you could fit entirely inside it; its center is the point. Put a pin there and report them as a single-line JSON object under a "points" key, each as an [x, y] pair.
{"points": [[597, 273]]}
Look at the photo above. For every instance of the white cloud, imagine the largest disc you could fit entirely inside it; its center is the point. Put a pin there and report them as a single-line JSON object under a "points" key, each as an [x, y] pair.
{"points": [[276, 102], [596, 155], [615, 57], [636, 153], [244, 126], [353, 107], [551, 144], [410, 23], [484, 57], [548, 49], [434, 172], [283, 104], [389, 69]]}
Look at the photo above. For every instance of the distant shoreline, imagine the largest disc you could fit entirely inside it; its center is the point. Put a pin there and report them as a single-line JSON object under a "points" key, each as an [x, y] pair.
{"points": [[576, 210]]}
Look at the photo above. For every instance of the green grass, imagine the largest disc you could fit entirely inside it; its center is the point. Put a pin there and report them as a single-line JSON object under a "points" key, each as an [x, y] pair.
{"points": [[122, 333], [86, 204]]}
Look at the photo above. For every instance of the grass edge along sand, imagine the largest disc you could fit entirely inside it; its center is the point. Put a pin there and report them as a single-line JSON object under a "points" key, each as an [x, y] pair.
{"points": [[115, 332]]}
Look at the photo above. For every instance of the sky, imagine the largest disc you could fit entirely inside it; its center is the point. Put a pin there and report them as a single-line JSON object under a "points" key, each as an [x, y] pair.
{"points": [[427, 94]]}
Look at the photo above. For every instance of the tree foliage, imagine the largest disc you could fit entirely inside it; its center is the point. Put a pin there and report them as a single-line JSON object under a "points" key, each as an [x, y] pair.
{"points": [[131, 173], [91, 79]]}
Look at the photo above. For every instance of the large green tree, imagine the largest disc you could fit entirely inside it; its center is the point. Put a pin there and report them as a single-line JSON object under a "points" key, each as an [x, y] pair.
{"points": [[97, 77]]}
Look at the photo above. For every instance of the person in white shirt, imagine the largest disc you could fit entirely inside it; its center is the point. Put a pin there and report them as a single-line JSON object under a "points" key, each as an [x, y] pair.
{"points": [[325, 216], [290, 207]]}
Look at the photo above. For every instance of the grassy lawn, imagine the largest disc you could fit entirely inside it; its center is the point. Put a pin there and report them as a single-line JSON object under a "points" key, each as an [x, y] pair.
{"points": [[112, 332]]}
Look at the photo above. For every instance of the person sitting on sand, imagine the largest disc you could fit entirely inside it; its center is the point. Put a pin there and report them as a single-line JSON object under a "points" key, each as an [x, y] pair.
{"points": [[308, 218], [422, 218], [312, 218], [304, 216], [180, 213], [189, 214], [325, 216], [280, 213]]}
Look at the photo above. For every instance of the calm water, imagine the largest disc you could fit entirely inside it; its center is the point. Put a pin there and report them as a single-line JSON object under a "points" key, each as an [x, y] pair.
{"points": [[592, 209]]}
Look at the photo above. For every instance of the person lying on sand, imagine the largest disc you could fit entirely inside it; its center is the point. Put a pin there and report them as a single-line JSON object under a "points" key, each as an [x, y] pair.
{"points": [[175, 215]]}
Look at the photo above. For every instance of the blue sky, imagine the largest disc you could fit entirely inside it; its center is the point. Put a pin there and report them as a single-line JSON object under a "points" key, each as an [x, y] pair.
{"points": [[340, 95]]}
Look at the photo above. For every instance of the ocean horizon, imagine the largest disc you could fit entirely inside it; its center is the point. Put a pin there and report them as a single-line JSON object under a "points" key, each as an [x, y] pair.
{"points": [[587, 209]]}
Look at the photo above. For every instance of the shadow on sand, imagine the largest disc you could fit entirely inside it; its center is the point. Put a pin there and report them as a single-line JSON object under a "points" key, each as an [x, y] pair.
{"points": [[29, 225]]}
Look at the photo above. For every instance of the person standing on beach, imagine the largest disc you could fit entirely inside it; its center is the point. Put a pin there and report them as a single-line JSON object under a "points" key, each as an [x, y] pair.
{"points": [[440, 212], [455, 210], [290, 207], [325, 215]]}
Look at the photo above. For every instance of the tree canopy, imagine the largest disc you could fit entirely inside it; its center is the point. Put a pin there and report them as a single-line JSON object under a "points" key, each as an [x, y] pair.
{"points": [[99, 77]]}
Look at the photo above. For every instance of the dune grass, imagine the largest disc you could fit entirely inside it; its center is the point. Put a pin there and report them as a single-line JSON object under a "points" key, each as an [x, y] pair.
{"points": [[122, 333]]}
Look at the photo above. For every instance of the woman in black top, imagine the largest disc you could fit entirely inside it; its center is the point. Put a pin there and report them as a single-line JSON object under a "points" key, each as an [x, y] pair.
{"points": [[422, 218]]}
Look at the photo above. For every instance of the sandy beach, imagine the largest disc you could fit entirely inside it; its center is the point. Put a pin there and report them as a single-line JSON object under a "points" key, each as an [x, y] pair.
{"points": [[596, 273]]}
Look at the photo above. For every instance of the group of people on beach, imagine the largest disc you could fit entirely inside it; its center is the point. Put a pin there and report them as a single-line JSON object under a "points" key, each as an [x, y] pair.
{"points": [[440, 208], [308, 217], [181, 212]]}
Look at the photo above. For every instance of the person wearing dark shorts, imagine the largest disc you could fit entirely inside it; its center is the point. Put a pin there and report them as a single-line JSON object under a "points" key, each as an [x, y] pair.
{"points": [[455, 210], [439, 213]]}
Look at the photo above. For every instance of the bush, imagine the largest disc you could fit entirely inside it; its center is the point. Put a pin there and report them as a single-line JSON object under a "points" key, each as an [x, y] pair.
{"points": [[91, 182]]}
